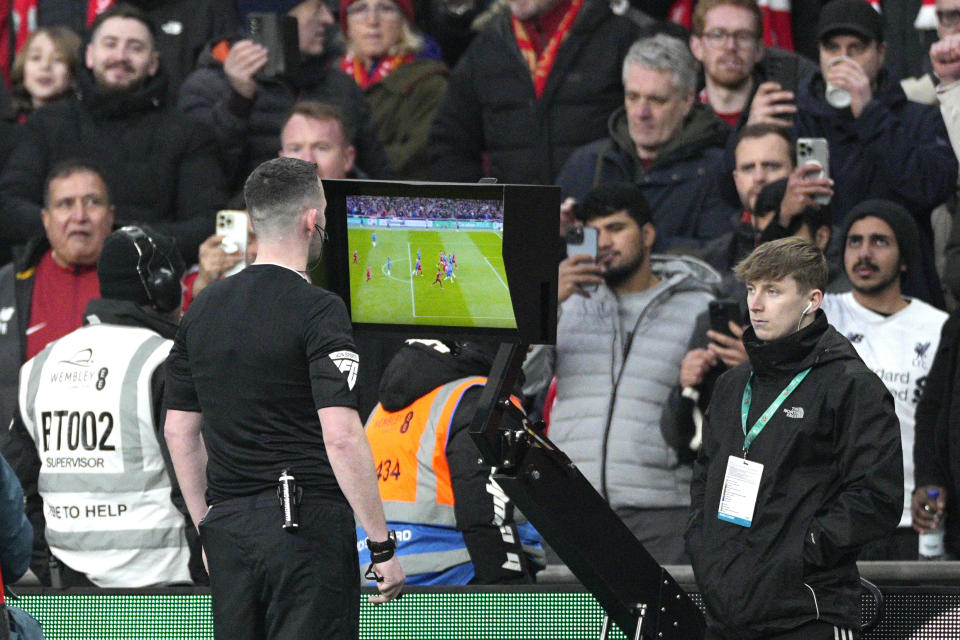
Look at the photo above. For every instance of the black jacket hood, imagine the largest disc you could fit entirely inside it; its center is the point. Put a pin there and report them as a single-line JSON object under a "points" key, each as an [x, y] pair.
{"points": [[419, 368]]}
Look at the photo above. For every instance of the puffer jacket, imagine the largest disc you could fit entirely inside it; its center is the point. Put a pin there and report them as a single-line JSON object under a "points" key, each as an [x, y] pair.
{"points": [[612, 388]]}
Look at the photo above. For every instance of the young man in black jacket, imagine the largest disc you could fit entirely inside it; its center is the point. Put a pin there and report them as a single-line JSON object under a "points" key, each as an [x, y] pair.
{"points": [[800, 465]]}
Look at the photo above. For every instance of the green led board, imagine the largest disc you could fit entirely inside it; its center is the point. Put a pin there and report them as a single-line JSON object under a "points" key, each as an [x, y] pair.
{"points": [[416, 616]]}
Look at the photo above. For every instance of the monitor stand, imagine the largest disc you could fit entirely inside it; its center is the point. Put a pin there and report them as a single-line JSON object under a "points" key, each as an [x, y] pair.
{"points": [[638, 595]]}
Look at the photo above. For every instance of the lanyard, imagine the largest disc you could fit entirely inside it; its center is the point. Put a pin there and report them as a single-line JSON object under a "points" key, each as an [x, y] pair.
{"points": [[749, 437]]}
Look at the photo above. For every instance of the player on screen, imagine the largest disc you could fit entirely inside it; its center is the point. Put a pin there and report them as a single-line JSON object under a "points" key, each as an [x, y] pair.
{"points": [[373, 238], [368, 274], [418, 270], [439, 279], [419, 257], [453, 259], [450, 276], [356, 257], [389, 266]]}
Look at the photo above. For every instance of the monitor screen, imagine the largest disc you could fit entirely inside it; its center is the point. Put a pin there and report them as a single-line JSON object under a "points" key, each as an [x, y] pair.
{"points": [[423, 259], [427, 261]]}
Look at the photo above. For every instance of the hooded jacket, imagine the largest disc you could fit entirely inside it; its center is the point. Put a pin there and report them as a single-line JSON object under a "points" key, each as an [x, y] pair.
{"points": [[415, 371], [612, 388], [161, 167], [832, 481], [681, 184], [248, 131]]}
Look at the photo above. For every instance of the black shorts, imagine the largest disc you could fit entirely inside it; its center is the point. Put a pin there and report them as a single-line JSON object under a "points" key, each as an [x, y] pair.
{"points": [[266, 582]]}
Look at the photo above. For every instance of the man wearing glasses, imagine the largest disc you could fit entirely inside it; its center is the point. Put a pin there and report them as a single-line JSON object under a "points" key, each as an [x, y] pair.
{"points": [[744, 83]]}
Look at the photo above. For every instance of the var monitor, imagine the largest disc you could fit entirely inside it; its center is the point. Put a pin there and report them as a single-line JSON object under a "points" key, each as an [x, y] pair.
{"points": [[425, 259]]}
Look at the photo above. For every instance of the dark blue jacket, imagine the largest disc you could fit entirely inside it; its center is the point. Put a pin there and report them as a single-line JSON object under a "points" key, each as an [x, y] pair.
{"points": [[896, 150], [16, 534], [681, 184]]}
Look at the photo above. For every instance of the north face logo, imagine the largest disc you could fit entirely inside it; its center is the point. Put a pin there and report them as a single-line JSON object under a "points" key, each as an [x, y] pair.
{"points": [[794, 412], [347, 362]]}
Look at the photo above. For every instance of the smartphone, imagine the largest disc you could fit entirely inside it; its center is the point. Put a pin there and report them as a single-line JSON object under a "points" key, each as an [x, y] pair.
{"points": [[722, 312], [279, 35], [782, 69], [232, 225], [815, 151], [582, 240]]}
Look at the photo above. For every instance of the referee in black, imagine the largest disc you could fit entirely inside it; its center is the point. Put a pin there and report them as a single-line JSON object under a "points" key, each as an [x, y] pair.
{"points": [[259, 397]]}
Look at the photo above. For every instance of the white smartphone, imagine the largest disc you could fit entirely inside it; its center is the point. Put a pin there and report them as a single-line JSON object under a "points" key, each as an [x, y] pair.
{"points": [[232, 225], [582, 240], [815, 151]]}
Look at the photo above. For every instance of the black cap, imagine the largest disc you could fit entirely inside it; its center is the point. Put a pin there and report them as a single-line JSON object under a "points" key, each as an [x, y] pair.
{"points": [[901, 222], [117, 265], [850, 16]]}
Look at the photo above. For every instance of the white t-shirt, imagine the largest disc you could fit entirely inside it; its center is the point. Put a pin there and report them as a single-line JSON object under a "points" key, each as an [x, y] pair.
{"points": [[900, 350]]}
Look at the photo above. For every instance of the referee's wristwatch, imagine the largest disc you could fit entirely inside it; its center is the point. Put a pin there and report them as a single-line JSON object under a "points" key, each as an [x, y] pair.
{"points": [[382, 551]]}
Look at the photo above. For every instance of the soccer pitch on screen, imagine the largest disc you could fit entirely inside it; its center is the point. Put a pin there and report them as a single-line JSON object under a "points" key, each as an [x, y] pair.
{"points": [[476, 295]]}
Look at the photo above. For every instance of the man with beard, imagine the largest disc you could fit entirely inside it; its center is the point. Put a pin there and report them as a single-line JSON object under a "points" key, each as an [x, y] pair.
{"points": [[881, 144], [896, 336], [282, 416], [230, 95], [161, 167], [745, 83], [625, 321]]}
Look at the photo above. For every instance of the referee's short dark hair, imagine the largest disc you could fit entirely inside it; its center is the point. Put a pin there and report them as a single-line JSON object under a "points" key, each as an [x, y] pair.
{"points": [[611, 197], [279, 190]]}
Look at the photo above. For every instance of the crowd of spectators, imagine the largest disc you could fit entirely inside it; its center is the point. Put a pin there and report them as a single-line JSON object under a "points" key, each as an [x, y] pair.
{"points": [[154, 112], [424, 208]]}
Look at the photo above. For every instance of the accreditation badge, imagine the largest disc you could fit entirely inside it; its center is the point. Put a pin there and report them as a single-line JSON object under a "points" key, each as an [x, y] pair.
{"points": [[741, 484]]}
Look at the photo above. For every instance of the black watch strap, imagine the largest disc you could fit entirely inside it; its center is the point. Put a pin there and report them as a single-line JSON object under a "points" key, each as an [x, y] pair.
{"points": [[387, 546]]}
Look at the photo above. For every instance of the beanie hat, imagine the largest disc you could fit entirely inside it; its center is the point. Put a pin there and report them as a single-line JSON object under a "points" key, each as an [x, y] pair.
{"points": [[264, 6], [406, 6], [117, 266], [899, 219]]}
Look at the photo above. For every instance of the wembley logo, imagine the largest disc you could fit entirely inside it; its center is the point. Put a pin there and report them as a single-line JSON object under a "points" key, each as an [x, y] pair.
{"points": [[347, 362]]}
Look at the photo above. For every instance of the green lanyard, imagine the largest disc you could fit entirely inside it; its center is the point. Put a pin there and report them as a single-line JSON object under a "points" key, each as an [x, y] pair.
{"points": [[761, 422]]}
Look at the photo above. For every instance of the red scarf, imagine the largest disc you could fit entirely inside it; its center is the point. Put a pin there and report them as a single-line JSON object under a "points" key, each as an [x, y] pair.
{"points": [[540, 66], [381, 69], [95, 8]]}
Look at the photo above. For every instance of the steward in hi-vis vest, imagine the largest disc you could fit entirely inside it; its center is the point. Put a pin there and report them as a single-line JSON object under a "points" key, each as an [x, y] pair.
{"points": [[454, 524], [90, 406]]}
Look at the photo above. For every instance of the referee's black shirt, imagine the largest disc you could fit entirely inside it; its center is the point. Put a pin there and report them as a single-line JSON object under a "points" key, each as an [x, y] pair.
{"points": [[258, 353]]}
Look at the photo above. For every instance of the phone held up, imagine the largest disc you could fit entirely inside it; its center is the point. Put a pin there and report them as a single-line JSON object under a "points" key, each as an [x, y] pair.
{"points": [[815, 151], [232, 225], [722, 312], [582, 240]]}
